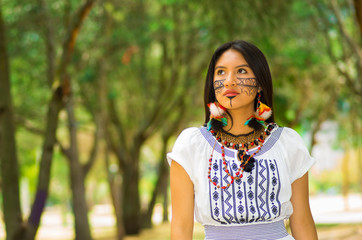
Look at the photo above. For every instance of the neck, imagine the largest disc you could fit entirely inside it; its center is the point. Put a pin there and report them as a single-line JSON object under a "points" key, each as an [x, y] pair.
{"points": [[236, 125]]}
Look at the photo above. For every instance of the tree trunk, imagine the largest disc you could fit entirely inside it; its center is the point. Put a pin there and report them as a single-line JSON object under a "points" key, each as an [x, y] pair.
{"points": [[358, 9], [80, 208], [8, 155], [131, 198], [117, 203], [160, 186], [55, 105], [114, 180], [165, 200], [115, 186]]}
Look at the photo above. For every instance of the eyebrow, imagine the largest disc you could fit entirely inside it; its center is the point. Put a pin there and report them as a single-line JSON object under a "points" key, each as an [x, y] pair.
{"points": [[243, 65]]}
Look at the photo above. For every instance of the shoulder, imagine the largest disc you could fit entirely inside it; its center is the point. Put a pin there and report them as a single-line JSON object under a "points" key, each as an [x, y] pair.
{"points": [[290, 132], [293, 144], [189, 139], [291, 137], [189, 134], [184, 148]]}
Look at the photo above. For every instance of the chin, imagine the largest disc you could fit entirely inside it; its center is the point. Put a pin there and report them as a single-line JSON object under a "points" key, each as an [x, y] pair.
{"points": [[238, 102]]}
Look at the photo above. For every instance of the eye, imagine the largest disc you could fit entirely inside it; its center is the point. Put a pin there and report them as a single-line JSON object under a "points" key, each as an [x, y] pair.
{"points": [[220, 72], [241, 71]]}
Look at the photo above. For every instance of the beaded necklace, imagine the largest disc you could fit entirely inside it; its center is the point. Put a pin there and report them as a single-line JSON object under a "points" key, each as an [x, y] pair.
{"points": [[239, 141], [247, 161]]}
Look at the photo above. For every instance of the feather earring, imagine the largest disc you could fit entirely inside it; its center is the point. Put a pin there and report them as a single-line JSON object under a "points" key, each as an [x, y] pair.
{"points": [[217, 112], [262, 113]]}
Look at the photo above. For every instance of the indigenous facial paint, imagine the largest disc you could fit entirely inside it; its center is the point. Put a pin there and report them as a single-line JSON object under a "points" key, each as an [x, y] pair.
{"points": [[248, 86], [219, 86], [231, 98]]}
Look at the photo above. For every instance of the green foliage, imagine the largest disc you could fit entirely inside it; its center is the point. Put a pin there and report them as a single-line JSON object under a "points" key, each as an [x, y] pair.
{"points": [[147, 48]]}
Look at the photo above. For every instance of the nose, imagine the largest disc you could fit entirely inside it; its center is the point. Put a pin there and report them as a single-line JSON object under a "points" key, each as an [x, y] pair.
{"points": [[230, 80]]}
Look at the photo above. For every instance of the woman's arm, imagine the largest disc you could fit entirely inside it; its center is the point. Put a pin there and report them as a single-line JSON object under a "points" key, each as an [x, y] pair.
{"points": [[182, 200], [301, 221]]}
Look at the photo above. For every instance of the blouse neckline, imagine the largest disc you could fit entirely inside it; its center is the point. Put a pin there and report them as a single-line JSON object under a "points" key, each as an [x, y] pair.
{"points": [[268, 144]]}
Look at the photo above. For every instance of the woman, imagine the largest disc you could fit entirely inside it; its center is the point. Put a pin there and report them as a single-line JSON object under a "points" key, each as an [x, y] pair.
{"points": [[241, 174]]}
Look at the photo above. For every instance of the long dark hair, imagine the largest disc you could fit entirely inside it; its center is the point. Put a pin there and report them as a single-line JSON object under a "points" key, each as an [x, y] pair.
{"points": [[257, 62]]}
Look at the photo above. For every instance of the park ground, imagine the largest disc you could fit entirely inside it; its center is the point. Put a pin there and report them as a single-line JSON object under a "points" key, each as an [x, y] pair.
{"points": [[333, 222]]}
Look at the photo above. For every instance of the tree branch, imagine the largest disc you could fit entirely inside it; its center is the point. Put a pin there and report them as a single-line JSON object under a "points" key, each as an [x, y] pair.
{"points": [[113, 146], [49, 42], [350, 83], [169, 99], [93, 154], [110, 141], [342, 29], [28, 125], [117, 123], [69, 43], [64, 150]]}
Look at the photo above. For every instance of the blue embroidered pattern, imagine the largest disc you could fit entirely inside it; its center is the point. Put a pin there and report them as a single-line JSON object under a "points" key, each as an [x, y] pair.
{"points": [[255, 197]]}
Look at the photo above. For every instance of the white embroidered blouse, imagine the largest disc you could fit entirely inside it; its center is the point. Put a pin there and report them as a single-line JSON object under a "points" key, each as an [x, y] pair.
{"points": [[261, 196]]}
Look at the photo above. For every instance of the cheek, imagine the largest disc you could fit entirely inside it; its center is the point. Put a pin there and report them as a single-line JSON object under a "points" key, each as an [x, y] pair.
{"points": [[218, 86], [249, 91], [218, 93], [221, 100], [248, 86], [218, 97]]}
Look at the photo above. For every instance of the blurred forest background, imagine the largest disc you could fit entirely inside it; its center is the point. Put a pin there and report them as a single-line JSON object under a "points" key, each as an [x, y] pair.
{"points": [[94, 93]]}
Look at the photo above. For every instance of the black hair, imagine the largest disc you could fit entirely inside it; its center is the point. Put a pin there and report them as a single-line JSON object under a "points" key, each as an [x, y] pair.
{"points": [[257, 62]]}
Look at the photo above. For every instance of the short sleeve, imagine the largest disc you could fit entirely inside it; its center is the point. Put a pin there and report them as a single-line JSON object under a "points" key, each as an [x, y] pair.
{"points": [[182, 151], [298, 159]]}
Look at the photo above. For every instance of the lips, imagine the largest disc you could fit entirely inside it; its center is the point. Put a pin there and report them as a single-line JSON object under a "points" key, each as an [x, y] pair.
{"points": [[230, 93]]}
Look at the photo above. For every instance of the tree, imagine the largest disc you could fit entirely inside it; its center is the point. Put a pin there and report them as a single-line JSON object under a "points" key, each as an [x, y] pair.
{"points": [[8, 154], [161, 186], [148, 116], [59, 97], [341, 25], [137, 65]]}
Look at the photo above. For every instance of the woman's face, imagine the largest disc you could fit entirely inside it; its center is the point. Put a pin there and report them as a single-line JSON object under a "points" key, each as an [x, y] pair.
{"points": [[234, 82]]}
